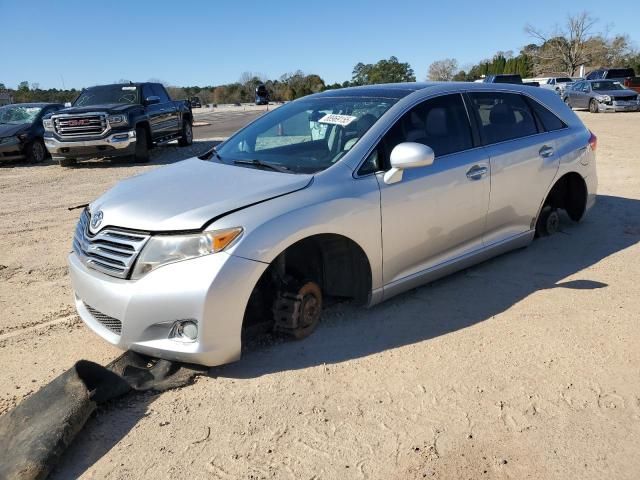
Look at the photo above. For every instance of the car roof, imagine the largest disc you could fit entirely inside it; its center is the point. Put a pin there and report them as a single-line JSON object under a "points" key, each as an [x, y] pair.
{"points": [[400, 90], [382, 90]]}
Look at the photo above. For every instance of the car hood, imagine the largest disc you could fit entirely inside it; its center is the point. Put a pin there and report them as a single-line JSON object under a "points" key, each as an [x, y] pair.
{"points": [[616, 93], [107, 107], [7, 130], [189, 194]]}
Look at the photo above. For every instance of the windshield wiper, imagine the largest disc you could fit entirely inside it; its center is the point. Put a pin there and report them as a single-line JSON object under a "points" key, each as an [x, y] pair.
{"points": [[210, 153], [261, 164]]}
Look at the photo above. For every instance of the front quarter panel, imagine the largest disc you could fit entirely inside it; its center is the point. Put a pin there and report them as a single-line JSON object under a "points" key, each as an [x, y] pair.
{"points": [[334, 203]]}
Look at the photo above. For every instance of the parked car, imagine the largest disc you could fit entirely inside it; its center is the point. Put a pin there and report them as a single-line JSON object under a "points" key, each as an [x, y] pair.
{"points": [[21, 131], [503, 78], [611, 74], [262, 95], [390, 187], [509, 78], [557, 84], [117, 120], [632, 83], [602, 96], [195, 102]]}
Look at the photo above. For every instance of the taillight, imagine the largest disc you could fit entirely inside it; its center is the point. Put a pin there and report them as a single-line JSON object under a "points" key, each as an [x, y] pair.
{"points": [[593, 141]]}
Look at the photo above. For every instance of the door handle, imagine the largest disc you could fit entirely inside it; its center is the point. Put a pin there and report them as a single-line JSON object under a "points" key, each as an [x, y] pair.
{"points": [[546, 151], [477, 172]]}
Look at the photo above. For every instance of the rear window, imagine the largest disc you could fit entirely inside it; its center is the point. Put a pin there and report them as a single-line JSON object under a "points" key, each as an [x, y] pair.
{"points": [[563, 80], [548, 119], [502, 116]]}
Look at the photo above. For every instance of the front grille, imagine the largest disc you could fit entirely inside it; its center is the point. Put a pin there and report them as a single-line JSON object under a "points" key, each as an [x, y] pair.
{"points": [[88, 124], [110, 323], [111, 251], [628, 98]]}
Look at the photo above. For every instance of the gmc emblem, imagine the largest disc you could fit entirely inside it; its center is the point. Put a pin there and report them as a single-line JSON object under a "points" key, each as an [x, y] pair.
{"points": [[78, 123]]}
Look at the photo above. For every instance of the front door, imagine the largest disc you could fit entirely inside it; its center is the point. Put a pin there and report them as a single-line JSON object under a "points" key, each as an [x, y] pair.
{"points": [[435, 213]]}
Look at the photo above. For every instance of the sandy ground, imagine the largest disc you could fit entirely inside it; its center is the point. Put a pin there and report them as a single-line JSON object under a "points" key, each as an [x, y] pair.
{"points": [[526, 366]]}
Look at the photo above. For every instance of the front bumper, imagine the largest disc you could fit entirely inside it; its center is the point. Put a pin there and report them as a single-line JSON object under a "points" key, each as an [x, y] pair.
{"points": [[619, 107], [116, 144], [212, 290], [14, 150]]}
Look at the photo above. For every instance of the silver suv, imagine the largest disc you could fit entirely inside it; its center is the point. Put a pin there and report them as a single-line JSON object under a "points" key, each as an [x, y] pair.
{"points": [[358, 193]]}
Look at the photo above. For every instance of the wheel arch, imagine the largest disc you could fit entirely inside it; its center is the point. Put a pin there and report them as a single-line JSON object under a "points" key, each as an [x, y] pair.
{"points": [[568, 192]]}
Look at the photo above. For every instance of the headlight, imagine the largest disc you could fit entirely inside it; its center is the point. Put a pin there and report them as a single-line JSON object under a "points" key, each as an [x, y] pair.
{"points": [[117, 120], [603, 98], [164, 249], [47, 123]]}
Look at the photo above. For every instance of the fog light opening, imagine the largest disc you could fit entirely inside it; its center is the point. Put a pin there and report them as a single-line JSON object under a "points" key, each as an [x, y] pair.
{"points": [[184, 331]]}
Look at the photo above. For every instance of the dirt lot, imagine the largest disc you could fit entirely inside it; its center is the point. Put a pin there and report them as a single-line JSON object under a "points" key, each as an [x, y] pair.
{"points": [[526, 366]]}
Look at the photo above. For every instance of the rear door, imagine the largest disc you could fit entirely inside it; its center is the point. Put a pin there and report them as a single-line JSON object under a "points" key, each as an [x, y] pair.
{"points": [[522, 158]]}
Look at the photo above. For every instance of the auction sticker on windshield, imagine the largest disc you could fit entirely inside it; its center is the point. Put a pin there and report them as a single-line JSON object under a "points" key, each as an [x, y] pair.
{"points": [[335, 119]]}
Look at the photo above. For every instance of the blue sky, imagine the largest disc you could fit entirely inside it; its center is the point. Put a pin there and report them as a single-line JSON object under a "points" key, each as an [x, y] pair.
{"points": [[211, 42]]}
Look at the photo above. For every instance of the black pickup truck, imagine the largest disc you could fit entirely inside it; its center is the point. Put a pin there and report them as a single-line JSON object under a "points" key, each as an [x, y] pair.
{"points": [[117, 120]]}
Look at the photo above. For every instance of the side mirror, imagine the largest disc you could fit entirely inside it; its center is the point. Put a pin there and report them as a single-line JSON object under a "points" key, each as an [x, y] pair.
{"points": [[152, 100], [408, 155]]}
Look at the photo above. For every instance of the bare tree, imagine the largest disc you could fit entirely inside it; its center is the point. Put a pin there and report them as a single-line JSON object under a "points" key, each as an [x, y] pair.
{"points": [[566, 47], [443, 70]]}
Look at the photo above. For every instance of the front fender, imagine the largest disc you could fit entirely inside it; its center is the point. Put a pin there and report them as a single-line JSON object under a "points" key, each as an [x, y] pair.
{"points": [[349, 207]]}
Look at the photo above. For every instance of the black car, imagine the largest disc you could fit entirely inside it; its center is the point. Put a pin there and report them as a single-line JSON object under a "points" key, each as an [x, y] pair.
{"points": [[21, 130], [611, 74]]}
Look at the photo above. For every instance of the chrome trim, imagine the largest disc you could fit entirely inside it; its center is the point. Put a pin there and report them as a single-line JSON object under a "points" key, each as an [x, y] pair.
{"points": [[54, 145], [96, 119], [110, 251]]}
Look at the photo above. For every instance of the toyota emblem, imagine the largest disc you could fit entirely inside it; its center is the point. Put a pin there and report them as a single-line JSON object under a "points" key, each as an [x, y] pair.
{"points": [[96, 219]]}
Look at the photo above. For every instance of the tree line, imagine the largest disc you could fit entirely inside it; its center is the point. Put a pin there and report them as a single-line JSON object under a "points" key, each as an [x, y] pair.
{"points": [[560, 51]]}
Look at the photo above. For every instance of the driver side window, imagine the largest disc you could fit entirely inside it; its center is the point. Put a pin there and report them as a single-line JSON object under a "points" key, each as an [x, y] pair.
{"points": [[440, 123]]}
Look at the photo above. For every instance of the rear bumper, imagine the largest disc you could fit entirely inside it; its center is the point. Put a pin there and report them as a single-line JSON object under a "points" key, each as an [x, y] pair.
{"points": [[116, 144]]}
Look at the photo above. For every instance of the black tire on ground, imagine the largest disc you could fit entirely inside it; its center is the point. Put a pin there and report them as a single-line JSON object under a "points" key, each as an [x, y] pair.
{"points": [[36, 151], [548, 222], [142, 145], [593, 106], [186, 137], [67, 162]]}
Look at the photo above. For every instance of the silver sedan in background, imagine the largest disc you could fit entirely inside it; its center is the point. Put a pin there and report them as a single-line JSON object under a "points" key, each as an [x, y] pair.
{"points": [[357, 193], [602, 96]]}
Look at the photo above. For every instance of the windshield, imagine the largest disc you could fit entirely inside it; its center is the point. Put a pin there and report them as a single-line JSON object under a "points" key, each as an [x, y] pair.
{"points": [[18, 115], [305, 136], [127, 94], [603, 86]]}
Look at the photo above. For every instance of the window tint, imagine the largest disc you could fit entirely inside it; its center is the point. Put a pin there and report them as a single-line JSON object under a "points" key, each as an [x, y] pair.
{"points": [[548, 119], [160, 92], [502, 116]]}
